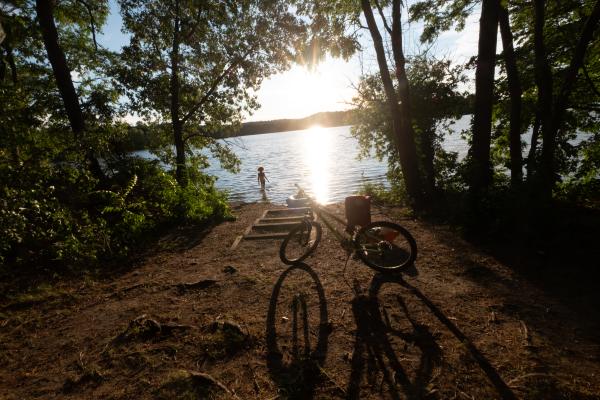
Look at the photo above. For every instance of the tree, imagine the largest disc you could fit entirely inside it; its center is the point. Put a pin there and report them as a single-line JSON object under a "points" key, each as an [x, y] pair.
{"points": [[481, 169], [399, 112], [552, 106], [515, 92], [197, 64], [436, 100], [41, 57], [550, 52]]}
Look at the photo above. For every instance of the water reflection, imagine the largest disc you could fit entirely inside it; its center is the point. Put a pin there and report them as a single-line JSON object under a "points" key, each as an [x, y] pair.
{"points": [[317, 153], [322, 160]]}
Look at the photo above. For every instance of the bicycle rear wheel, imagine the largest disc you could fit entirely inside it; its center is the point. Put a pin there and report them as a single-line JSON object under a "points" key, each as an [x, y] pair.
{"points": [[385, 246], [300, 242]]}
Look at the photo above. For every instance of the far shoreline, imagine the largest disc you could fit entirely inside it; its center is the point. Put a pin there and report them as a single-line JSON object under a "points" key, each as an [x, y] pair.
{"points": [[330, 119]]}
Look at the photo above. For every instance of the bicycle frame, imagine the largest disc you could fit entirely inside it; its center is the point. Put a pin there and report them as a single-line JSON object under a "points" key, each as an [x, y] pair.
{"points": [[375, 244], [321, 212]]}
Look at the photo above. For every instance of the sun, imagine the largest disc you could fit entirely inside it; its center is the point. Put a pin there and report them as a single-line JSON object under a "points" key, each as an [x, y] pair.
{"points": [[301, 91]]}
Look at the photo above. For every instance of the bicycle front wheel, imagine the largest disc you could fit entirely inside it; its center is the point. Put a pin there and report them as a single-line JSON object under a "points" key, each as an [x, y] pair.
{"points": [[385, 246], [300, 242]]}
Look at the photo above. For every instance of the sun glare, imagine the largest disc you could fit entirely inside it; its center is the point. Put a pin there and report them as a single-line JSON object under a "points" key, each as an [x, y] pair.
{"points": [[317, 150], [300, 91]]}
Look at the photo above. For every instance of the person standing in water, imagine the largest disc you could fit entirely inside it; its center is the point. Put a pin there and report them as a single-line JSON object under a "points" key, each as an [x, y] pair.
{"points": [[261, 177]]}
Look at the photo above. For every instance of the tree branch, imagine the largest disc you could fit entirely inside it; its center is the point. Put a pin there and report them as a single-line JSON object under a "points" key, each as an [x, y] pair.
{"points": [[587, 34], [195, 26], [92, 22], [193, 135], [590, 81], [385, 24], [214, 87]]}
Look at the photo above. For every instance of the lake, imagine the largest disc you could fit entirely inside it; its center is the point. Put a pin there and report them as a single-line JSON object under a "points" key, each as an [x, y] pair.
{"points": [[321, 160]]}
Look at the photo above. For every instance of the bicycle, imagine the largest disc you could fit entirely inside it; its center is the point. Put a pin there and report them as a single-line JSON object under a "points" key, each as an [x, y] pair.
{"points": [[382, 245]]}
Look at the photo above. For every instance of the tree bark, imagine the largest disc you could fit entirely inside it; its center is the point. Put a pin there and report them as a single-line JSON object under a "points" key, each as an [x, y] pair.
{"points": [[403, 136], [408, 134], [177, 125], [62, 73], [481, 171], [515, 91], [544, 83]]}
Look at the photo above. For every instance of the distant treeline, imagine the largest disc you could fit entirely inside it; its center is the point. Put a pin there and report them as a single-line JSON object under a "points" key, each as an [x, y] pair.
{"points": [[325, 119], [147, 136]]}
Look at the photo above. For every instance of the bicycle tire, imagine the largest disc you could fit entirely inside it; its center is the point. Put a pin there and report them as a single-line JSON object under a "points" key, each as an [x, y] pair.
{"points": [[385, 246], [307, 235]]}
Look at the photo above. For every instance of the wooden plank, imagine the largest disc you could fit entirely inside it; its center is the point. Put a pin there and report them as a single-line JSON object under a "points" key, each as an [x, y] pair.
{"points": [[277, 225], [236, 242], [296, 219], [287, 212], [259, 236]]}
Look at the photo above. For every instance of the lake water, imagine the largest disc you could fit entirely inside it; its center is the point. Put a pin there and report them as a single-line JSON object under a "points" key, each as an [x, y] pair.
{"points": [[321, 160]]}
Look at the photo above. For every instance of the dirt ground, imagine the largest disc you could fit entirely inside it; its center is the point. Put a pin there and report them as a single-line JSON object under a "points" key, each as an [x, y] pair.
{"points": [[194, 319]]}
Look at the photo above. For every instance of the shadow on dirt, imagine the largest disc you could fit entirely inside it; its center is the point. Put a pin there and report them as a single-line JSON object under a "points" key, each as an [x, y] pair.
{"points": [[560, 262], [376, 345], [294, 364]]}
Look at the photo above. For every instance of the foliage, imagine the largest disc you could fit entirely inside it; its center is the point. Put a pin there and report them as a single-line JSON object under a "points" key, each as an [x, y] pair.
{"points": [[28, 92], [379, 193], [577, 137], [209, 58], [54, 216], [436, 102]]}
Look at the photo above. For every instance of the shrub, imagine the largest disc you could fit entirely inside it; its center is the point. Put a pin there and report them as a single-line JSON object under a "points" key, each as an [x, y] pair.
{"points": [[53, 215]]}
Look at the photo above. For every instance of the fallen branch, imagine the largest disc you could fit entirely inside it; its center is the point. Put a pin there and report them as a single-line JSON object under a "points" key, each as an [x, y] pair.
{"points": [[527, 376], [337, 385], [525, 332], [145, 327], [206, 379]]}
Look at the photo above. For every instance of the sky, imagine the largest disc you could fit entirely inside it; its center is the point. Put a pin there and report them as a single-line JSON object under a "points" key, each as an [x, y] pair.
{"points": [[300, 92]]}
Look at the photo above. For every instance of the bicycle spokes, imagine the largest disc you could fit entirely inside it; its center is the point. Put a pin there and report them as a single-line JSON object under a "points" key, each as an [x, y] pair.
{"points": [[385, 246]]}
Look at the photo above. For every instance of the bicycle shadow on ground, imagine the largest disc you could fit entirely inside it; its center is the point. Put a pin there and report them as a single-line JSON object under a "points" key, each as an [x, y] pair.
{"points": [[294, 361], [383, 351]]}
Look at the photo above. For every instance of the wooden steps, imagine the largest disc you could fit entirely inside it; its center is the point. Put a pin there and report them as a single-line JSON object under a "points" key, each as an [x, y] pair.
{"points": [[258, 236], [274, 220], [273, 225], [286, 212]]}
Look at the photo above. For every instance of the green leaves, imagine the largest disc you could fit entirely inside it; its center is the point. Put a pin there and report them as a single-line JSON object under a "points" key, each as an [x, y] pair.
{"points": [[435, 101]]}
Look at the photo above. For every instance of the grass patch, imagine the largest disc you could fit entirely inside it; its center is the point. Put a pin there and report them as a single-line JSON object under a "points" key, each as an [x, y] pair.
{"points": [[223, 340], [44, 293]]}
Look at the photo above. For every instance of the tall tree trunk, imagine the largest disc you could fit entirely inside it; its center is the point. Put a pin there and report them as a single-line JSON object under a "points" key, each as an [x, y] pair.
{"points": [[176, 122], [481, 170], [515, 91], [408, 133], [404, 139], [544, 83], [62, 75]]}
